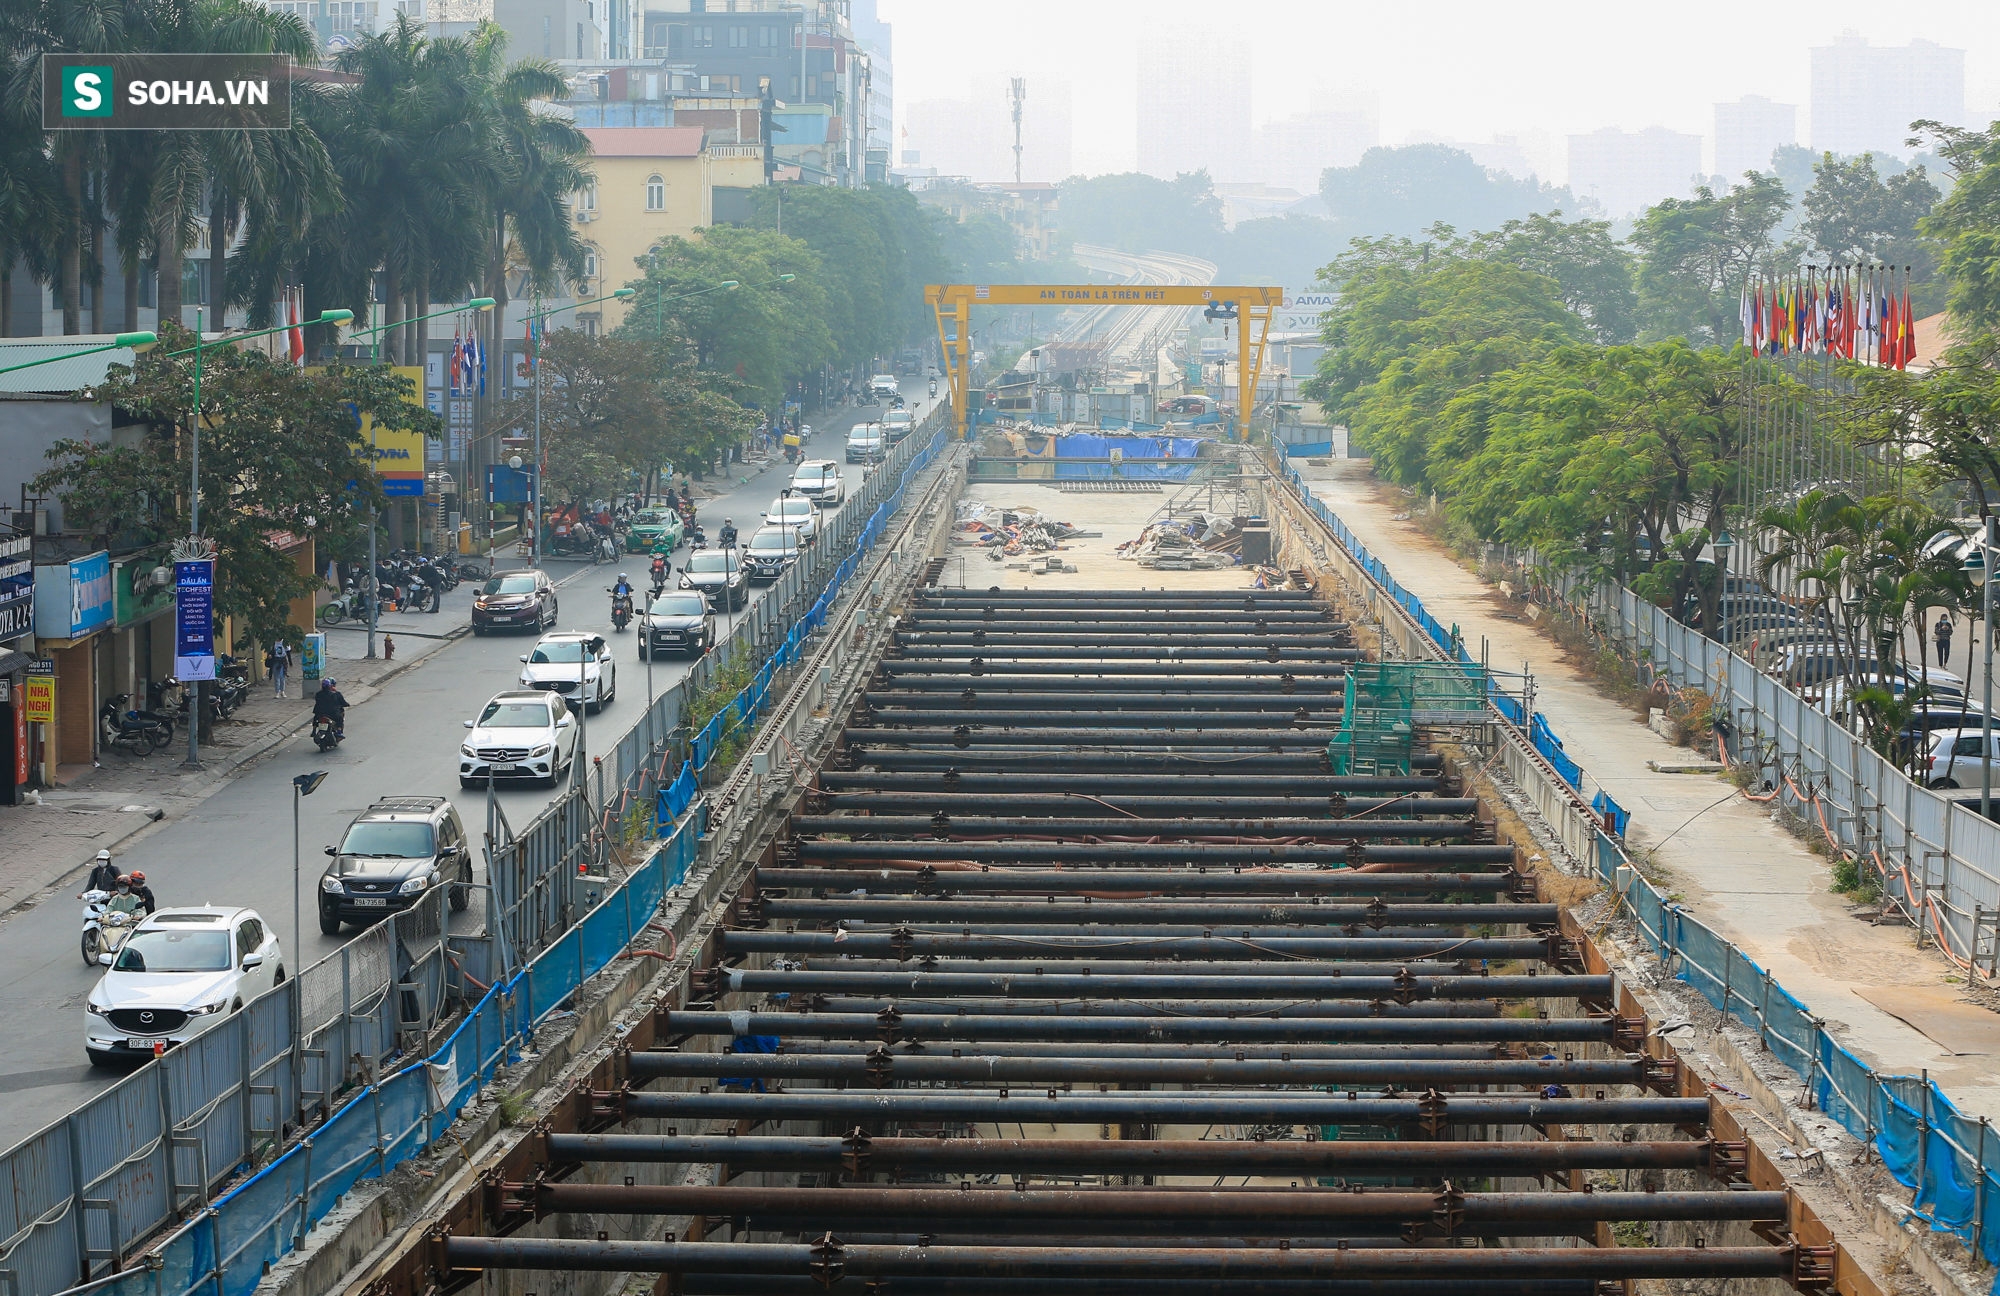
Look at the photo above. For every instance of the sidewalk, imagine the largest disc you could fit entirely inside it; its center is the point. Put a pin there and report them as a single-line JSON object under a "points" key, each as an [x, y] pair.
{"points": [[1722, 855], [106, 807]]}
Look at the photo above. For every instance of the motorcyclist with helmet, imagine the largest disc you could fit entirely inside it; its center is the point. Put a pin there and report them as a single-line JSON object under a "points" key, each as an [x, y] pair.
{"points": [[727, 536], [328, 702]]}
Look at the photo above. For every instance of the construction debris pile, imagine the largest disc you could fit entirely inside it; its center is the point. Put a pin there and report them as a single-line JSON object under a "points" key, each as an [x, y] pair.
{"points": [[1009, 533], [1203, 542]]}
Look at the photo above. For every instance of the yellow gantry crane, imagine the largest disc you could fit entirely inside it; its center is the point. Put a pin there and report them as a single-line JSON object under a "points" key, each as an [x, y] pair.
{"points": [[954, 303]]}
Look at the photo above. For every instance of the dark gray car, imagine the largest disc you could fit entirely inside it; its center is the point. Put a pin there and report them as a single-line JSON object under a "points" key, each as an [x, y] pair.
{"points": [[719, 574], [682, 623], [392, 856]]}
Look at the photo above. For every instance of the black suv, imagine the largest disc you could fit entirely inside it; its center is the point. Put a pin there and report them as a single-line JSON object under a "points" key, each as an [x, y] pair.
{"points": [[682, 623], [515, 600], [393, 856], [718, 573]]}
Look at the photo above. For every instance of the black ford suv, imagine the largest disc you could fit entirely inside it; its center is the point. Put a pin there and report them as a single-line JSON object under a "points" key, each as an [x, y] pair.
{"points": [[392, 857]]}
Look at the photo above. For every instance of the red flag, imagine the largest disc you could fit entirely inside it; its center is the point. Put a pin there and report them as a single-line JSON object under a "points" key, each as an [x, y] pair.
{"points": [[1908, 350], [296, 335]]}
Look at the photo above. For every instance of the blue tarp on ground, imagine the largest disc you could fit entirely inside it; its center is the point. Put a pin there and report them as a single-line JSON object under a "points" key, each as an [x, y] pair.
{"points": [[1085, 445]]}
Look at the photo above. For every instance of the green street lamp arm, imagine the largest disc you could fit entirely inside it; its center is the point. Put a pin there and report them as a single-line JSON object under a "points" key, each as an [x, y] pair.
{"points": [[137, 341], [325, 317], [622, 294], [477, 303]]}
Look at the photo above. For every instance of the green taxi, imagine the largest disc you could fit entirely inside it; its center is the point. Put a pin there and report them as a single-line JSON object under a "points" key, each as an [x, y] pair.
{"points": [[654, 531]]}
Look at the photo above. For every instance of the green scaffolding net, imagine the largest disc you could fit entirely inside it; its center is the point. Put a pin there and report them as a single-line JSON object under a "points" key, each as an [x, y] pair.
{"points": [[1388, 701]]}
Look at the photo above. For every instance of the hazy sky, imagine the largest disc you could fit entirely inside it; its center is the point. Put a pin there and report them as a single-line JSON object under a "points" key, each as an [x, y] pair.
{"points": [[1449, 67]]}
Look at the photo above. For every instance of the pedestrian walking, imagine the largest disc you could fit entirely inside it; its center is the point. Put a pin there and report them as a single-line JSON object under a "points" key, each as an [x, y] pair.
{"points": [[1942, 633], [276, 662]]}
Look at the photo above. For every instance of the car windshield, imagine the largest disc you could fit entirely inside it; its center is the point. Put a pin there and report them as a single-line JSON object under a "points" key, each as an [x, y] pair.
{"points": [[389, 839], [770, 540], [679, 605], [859, 437], [647, 519], [559, 650], [175, 951], [514, 715], [709, 562], [810, 476], [509, 585], [792, 508]]}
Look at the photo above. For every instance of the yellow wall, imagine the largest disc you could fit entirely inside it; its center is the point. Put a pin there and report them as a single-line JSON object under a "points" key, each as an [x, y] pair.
{"points": [[624, 230]]}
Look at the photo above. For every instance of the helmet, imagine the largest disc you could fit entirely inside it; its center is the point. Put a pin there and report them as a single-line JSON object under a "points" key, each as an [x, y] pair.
{"points": [[138, 878], [622, 576], [124, 880], [729, 521], [329, 682], [104, 854]]}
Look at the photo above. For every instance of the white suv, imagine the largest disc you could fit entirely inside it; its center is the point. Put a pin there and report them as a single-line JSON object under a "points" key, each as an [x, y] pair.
{"points": [[518, 735], [180, 972], [795, 514], [561, 658], [819, 480]]}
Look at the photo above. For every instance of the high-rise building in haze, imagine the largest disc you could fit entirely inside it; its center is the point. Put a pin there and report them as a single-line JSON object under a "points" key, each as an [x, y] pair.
{"points": [[974, 138], [877, 40], [1625, 171], [1748, 131], [1864, 97], [1194, 108], [1293, 151]]}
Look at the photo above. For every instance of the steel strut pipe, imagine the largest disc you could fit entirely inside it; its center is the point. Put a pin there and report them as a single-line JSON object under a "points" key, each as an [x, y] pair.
{"points": [[1165, 967], [1172, 707], [1218, 913], [1324, 1008], [829, 1257], [1287, 654], [1117, 786], [968, 733], [1083, 640], [771, 1285], [1132, 1156], [1039, 881], [1276, 770], [994, 825], [883, 1068], [1158, 1205], [1179, 1108], [1199, 854], [1095, 1049], [1118, 945], [1088, 806], [1225, 674], [1221, 1031], [998, 597], [1326, 681], [1113, 985], [1191, 727]]}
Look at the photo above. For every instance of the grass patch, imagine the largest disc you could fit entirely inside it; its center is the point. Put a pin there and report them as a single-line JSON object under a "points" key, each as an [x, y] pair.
{"points": [[1856, 882], [513, 1108]]}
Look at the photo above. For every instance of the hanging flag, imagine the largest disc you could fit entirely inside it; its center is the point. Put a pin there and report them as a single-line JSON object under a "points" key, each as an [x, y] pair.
{"points": [[455, 360], [1907, 350], [297, 335], [480, 346]]}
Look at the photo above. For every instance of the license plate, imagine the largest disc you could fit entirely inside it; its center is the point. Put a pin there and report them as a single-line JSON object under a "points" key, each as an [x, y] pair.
{"points": [[506, 769], [364, 903]]}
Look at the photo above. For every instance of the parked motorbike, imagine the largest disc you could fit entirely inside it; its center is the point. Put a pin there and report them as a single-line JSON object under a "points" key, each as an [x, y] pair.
{"points": [[326, 734], [104, 932], [351, 605], [127, 732], [621, 609]]}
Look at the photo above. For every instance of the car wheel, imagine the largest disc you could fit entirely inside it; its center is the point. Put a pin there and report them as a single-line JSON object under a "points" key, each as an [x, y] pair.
{"points": [[478, 630], [329, 923], [279, 979], [91, 948], [1945, 783], [468, 783], [99, 1058], [642, 653], [461, 896]]}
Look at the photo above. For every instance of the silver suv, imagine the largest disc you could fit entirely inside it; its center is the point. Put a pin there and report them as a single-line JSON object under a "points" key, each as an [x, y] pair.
{"points": [[392, 856]]}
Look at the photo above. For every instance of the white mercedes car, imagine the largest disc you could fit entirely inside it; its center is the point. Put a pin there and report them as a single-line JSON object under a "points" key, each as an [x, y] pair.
{"points": [[576, 664], [518, 735], [180, 972]]}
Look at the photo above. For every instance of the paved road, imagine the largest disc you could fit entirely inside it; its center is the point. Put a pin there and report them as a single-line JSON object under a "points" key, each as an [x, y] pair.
{"points": [[236, 848]]}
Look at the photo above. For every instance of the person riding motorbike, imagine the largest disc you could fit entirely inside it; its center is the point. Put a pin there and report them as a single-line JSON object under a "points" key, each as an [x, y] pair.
{"points": [[329, 703], [659, 571], [623, 585], [103, 874], [125, 901], [144, 892], [727, 536], [429, 574]]}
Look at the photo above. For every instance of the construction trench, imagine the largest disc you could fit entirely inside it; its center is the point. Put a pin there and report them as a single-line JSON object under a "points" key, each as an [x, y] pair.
{"points": [[1085, 958]]}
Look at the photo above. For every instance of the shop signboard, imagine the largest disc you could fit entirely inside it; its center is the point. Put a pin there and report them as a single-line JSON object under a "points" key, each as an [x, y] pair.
{"points": [[38, 692], [17, 587], [137, 594], [73, 599]]}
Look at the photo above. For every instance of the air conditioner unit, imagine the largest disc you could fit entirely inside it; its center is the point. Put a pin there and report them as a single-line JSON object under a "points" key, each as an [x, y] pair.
{"points": [[585, 217]]}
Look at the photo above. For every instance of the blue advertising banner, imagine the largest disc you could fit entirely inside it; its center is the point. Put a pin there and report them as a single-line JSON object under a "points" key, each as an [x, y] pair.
{"points": [[73, 598], [194, 620]]}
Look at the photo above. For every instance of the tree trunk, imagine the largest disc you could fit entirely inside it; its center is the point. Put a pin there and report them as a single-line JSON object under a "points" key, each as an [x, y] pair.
{"points": [[7, 301], [72, 256], [218, 253], [169, 296], [95, 274], [132, 300], [421, 329], [392, 316]]}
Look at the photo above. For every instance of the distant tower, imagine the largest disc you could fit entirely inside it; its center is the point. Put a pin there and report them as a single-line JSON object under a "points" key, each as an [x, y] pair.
{"points": [[1017, 90]]}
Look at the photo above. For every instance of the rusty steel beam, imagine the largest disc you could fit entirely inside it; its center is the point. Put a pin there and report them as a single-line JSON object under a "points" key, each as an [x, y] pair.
{"points": [[883, 1068], [773, 1285], [993, 825], [1444, 858], [1114, 985], [830, 1259], [1124, 944], [1207, 881], [1065, 804], [1218, 913], [904, 1025]]}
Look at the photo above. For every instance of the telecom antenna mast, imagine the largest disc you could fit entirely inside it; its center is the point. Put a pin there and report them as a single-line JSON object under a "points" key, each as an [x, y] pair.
{"points": [[1017, 90]]}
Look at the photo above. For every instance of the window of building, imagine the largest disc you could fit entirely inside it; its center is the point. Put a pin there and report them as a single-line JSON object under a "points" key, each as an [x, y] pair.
{"points": [[656, 194], [812, 87], [590, 323], [701, 37], [590, 263], [590, 197], [767, 39], [739, 37]]}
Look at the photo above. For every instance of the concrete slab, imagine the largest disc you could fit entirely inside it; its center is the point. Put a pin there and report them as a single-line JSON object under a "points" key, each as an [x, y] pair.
{"points": [[1959, 1028]]}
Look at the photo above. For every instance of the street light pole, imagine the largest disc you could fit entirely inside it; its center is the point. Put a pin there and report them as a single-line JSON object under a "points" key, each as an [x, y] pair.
{"points": [[303, 785]]}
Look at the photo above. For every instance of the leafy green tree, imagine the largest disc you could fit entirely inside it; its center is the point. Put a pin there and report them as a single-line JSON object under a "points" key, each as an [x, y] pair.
{"points": [[1593, 270], [280, 452], [1287, 250], [1965, 225], [1403, 191], [1945, 422], [1695, 254], [763, 334], [1134, 212], [1852, 214]]}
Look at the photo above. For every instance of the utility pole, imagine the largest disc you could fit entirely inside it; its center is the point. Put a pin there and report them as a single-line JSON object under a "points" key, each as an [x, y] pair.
{"points": [[1017, 90]]}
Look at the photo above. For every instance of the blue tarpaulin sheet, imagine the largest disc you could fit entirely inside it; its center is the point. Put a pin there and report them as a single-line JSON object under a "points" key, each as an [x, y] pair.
{"points": [[1086, 445]]}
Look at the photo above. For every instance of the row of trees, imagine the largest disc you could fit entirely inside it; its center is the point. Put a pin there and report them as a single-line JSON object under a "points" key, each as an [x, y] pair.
{"points": [[434, 171], [1515, 376]]}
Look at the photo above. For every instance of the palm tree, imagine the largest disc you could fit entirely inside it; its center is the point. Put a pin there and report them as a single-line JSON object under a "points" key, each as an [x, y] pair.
{"points": [[32, 202]]}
